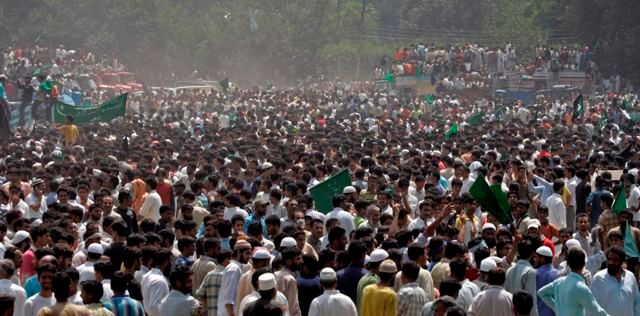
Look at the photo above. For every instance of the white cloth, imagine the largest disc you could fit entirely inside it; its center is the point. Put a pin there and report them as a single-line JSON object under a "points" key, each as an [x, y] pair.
{"points": [[32, 200], [7, 287], [468, 291], [279, 301], [35, 303], [619, 298], [107, 293], [557, 210], [154, 288], [151, 206], [178, 304], [86, 271], [493, 301], [332, 303], [230, 279], [345, 219], [230, 212]]}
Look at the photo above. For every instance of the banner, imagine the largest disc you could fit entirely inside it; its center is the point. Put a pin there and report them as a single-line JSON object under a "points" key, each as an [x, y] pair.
{"points": [[14, 120], [104, 112], [324, 192]]}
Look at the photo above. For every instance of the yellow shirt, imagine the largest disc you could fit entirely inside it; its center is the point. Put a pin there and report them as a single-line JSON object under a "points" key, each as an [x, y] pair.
{"points": [[378, 301], [70, 133]]}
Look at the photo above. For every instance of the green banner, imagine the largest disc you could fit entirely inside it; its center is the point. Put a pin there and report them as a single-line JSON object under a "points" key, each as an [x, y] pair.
{"points": [[104, 112], [324, 192]]}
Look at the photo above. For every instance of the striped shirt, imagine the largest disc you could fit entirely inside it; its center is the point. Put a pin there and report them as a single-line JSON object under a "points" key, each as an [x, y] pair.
{"points": [[210, 289], [123, 305]]}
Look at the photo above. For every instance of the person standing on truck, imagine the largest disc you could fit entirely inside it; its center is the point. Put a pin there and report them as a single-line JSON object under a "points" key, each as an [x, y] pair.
{"points": [[26, 97]]}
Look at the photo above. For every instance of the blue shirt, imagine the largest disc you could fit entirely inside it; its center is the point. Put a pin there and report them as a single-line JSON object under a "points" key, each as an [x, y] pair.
{"points": [[252, 218], [544, 188], [570, 296], [348, 279], [593, 200], [123, 305], [545, 275], [32, 286]]}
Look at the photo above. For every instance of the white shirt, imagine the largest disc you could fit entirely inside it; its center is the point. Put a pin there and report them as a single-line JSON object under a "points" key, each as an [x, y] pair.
{"points": [[468, 291], [7, 287], [227, 294], [35, 303], [557, 210], [140, 273], [230, 212], [22, 206], [277, 209], [492, 301], [154, 288], [345, 219], [632, 202], [107, 293], [32, 200], [86, 271], [178, 304], [419, 223], [619, 298], [571, 185], [279, 301], [151, 206], [332, 303]]}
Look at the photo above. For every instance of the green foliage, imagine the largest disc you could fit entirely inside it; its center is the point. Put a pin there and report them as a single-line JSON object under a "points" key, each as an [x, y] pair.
{"points": [[297, 38]]}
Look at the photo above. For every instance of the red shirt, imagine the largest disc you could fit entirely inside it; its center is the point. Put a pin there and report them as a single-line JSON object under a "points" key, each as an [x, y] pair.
{"points": [[549, 243], [164, 190]]}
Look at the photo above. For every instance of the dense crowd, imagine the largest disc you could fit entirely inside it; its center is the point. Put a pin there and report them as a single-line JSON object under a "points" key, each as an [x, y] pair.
{"points": [[200, 203]]}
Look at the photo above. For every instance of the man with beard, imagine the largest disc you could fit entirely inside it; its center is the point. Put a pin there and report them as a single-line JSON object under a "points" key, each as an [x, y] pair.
{"points": [[286, 278], [615, 288], [231, 277], [489, 235]]}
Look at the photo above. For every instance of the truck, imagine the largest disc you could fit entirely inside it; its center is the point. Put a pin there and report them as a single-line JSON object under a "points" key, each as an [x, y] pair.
{"points": [[120, 81]]}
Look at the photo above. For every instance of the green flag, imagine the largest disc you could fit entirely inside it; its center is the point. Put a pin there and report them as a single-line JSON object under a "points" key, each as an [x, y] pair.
{"points": [[578, 107], [630, 247], [620, 204], [429, 98], [418, 72], [625, 103], [499, 111], [388, 77], [324, 192], [453, 130], [476, 118], [491, 200], [104, 112], [602, 121]]}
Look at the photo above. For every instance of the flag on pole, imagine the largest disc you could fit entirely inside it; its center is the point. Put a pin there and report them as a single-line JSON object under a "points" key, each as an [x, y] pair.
{"points": [[388, 77], [492, 200], [630, 247], [475, 119], [453, 130], [620, 203], [578, 107], [324, 192]]}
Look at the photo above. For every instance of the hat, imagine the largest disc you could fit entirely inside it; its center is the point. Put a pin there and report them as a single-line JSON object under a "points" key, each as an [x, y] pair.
{"points": [[348, 189], [573, 243], [267, 282], [378, 255], [241, 245], [534, 223], [488, 226], [36, 182], [328, 274], [19, 237], [487, 264], [261, 253], [288, 242], [95, 248], [544, 251], [265, 166], [388, 266]]}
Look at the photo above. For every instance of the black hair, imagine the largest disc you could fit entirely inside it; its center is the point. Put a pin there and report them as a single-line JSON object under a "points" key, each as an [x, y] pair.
{"points": [[523, 302], [93, 288]]}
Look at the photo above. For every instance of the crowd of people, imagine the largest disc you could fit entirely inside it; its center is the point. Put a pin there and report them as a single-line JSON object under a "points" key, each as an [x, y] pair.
{"points": [[199, 204]]}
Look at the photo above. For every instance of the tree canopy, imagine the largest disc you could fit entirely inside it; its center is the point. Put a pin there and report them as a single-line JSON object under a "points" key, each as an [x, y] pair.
{"points": [[285, 40]]}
